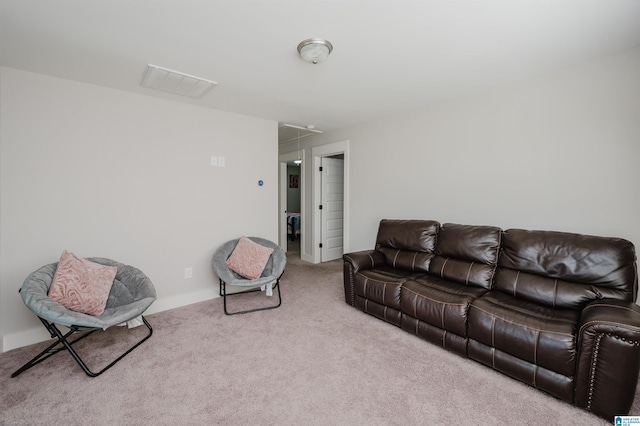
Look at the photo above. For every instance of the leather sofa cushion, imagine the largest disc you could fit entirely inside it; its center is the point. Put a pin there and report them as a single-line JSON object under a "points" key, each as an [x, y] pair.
{"points": [[565, 270], [379, 310], [467, 254], [541, 378], [550, 292], [407, 244], [439, 302], [537, 334], [391, 272], [379, 287], [413, 235], [406, 260], [463, 271], [474, 243]]}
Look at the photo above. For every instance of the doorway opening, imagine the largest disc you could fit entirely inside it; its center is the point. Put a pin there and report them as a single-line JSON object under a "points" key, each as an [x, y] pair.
{"points": [[292, 219], [291, 194], [331, 201]]}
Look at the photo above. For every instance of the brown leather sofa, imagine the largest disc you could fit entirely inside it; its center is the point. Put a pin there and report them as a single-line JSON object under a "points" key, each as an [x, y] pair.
{"points": [[554, 310]]}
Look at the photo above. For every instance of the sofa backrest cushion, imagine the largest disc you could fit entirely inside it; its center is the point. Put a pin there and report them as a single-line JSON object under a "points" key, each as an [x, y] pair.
{"points": [[566, 270], [467, 254], [407, 244]]}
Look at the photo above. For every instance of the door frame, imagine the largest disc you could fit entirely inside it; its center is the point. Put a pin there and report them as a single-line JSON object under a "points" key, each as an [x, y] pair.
{"points": [[317, 152], [283, 159]]}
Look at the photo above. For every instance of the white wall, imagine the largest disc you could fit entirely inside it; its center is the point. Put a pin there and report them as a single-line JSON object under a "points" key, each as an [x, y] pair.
{"points": [[107, 173], [560, 152]]}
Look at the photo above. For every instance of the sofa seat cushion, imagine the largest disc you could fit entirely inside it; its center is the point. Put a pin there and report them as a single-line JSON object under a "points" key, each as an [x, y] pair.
{"points": [[537, 334], [439, 302], [379, 286], [390, 271]]}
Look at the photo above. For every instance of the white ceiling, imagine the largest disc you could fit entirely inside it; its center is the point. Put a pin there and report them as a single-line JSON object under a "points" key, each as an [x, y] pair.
{"points": [[389, 55]]}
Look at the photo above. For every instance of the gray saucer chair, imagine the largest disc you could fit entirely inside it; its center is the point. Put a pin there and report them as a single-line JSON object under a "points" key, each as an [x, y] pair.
{"points": [[270, 275], [131, 294]]}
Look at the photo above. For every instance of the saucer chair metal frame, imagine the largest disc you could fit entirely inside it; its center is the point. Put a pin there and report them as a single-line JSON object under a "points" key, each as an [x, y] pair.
{"points": [[270, 275], [131, 294]]}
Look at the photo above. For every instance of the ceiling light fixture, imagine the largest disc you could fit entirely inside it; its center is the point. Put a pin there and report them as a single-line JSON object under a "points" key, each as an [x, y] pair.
{"points": [[314, 50]]}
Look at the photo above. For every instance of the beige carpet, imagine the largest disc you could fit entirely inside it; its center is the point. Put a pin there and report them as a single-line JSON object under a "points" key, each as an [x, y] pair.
{"points": [[313, 361]]}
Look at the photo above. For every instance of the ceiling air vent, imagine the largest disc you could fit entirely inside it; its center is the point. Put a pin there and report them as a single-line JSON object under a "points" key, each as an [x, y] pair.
{"points": [[175, 82]]}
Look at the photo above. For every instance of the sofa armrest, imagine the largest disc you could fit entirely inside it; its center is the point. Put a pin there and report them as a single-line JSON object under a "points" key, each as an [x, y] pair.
{"points": [[354, 262], [608, 357]]}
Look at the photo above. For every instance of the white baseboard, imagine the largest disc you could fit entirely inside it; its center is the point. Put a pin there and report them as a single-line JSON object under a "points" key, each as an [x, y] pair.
{"points": [[39, 334], [182, 300], [24, 338]]}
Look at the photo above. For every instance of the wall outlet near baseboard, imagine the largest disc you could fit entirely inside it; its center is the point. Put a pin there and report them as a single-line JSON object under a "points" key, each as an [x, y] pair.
{"points": [[188, 273]]}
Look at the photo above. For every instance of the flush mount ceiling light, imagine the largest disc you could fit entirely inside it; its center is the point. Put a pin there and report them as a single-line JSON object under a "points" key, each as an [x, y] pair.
{"points": [[176, 82], [314, 50]]}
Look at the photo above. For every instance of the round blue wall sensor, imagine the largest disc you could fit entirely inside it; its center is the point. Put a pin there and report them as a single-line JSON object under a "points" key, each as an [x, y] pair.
{"points": [[260, 183]]}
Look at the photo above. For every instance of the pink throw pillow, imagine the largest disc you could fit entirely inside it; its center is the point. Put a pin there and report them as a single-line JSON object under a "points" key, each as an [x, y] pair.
{"points": [[82, 285], [249, 259]]}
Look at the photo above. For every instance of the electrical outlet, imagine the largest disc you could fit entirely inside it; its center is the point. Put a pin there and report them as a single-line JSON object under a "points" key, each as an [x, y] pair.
{"points": [[221, 161], [188, 273]]}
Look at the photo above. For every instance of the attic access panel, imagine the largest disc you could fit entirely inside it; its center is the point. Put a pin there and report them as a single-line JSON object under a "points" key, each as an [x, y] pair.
{"points": [[176, 82]]}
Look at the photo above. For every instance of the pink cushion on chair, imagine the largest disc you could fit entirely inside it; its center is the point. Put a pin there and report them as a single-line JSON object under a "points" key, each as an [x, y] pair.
{"points": [[82, 285], [249, 259]]}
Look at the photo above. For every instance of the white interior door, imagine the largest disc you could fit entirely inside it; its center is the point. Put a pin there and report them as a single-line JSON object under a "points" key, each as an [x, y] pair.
{"points": [[332, 212]]}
